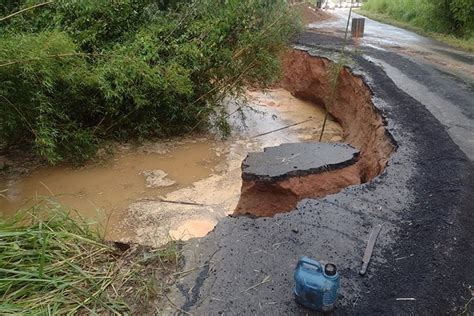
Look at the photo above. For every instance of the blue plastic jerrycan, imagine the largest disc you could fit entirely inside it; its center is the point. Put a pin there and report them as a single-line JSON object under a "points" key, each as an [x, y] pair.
{"points": [[316, 287]]}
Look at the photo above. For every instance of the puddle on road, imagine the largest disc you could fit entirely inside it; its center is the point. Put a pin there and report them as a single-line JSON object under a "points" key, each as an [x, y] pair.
{"points": [[207, 174]]}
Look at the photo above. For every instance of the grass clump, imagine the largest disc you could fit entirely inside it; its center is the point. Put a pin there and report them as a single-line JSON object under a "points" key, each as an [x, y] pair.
{"points": [[50, 264], [76, 73], [448, 21]]}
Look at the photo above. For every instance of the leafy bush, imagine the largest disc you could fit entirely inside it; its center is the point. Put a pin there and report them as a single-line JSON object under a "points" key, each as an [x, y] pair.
{"points": [[76, 72], [45, 93], [463, 13]]}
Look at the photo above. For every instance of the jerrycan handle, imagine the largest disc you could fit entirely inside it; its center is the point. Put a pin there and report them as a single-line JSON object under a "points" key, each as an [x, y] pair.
{"points": [[310, 262]]}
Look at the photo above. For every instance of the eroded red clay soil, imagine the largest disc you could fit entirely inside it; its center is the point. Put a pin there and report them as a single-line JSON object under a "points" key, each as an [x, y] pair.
{"points": [[309, 78]]}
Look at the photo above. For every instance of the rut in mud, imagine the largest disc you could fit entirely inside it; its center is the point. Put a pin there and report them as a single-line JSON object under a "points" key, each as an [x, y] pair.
{"points": [[309, 78]]}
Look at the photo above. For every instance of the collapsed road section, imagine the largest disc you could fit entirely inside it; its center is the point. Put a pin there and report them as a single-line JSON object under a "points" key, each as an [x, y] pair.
{"points": [[266, 191], [311, 77], [423, 198], [276, 179]]}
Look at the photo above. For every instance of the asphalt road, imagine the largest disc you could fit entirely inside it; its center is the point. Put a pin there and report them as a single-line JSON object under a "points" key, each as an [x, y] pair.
{"points": [[424, 199], [443, 84]]}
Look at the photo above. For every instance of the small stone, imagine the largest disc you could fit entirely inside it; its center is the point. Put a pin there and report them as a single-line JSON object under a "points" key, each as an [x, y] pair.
{"points": [[295, 230], [157, 178]]}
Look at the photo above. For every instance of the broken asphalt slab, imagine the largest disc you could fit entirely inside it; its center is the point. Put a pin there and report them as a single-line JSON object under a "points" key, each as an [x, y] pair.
{"points": [[297, 159]]}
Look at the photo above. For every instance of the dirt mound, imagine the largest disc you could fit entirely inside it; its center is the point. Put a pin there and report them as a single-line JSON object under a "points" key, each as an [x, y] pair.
{"points": [[310, 14]]}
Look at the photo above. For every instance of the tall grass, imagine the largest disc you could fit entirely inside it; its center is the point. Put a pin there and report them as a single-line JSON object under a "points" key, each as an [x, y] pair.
{"points": [[51, 265], [447, 17]]}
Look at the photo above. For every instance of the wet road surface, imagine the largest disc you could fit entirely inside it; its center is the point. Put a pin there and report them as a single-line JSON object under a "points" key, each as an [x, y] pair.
{"points": [[440, 77], [388, 37]]}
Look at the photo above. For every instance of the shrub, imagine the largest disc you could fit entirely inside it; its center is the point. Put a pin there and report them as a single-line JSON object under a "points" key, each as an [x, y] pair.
{"points": [[46, 88], [463, 13], [76, 72]]}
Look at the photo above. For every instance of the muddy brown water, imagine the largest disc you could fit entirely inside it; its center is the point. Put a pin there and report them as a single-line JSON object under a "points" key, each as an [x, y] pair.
{"points": [[206, 173], [103, 192]]}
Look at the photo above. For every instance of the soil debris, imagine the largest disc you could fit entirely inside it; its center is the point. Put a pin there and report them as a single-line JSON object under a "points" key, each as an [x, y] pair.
{"points": [[157, 178], [310, 14]]}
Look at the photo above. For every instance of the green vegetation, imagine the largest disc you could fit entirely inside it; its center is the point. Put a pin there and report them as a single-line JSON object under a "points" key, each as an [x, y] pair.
{"points": [[74, 73], [448, 21], [54, 266], [467, 45]]}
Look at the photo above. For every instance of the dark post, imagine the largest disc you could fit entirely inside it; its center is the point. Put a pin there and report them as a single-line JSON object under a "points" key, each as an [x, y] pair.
{"points": [[357, 29]]}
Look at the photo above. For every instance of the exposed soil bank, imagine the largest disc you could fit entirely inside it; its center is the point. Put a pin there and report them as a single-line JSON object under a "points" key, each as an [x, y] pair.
{"points": [[268, 199], [309, 78], [276, 179]]}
